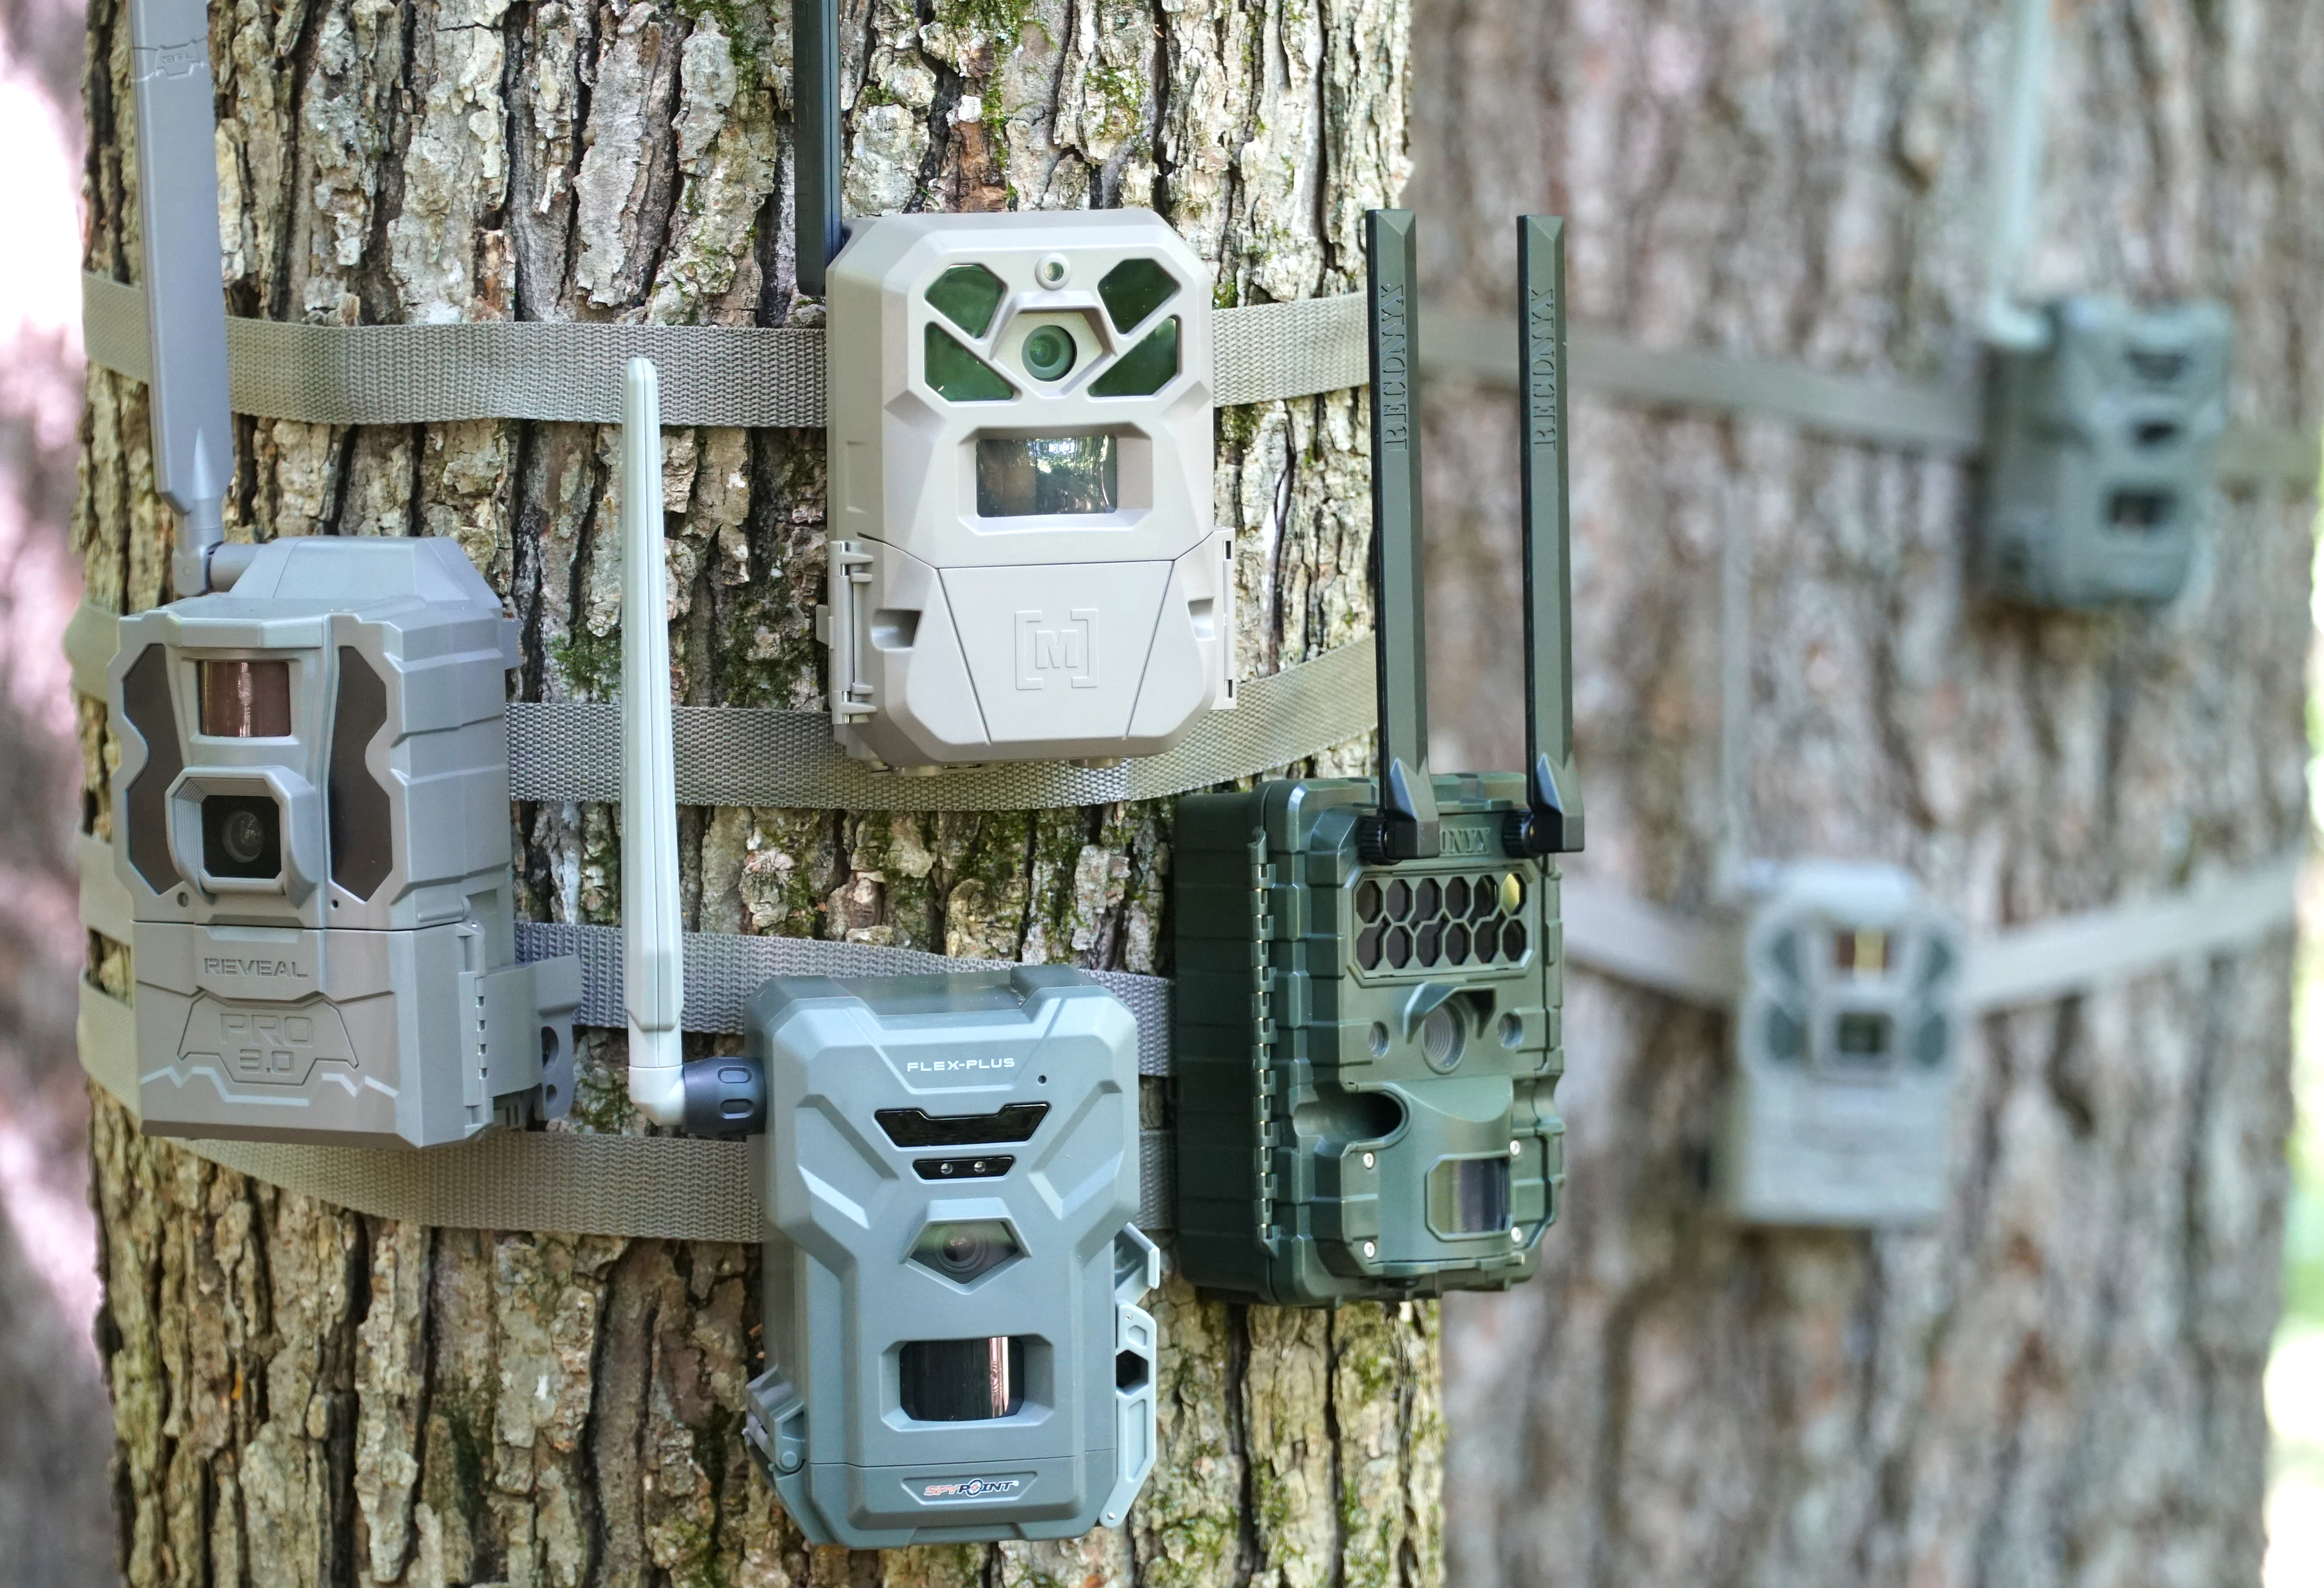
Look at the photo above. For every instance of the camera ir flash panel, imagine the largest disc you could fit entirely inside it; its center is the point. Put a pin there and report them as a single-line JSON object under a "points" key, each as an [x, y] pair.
{"points": [[311, 816], [1024, 563]]}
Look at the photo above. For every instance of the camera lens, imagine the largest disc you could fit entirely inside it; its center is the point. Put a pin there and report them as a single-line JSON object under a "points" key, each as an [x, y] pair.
{"points": [[244, 837], [965, 1250], [241, 835], [1049, 353]]}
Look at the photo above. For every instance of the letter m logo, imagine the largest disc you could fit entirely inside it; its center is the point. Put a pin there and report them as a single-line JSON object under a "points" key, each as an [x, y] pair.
{"points": [[1066, 651]]}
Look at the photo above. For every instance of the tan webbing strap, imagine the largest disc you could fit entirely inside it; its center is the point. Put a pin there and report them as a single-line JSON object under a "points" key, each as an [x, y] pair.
{"points": [[678, 1188], [725, 971], [1272, 351], [758, 377], [1945, 419], [743, 756], [1700, 960], [739, 756], [650, 1187]]}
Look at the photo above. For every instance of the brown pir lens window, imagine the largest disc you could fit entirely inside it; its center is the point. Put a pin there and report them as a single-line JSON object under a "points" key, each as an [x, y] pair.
{"points": [[962, 1380], [1863, 951], [245, 700]]}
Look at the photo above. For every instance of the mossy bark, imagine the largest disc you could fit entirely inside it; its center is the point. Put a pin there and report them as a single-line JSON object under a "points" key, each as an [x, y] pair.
{"points": [[306, 1396], [2060, 1382]]}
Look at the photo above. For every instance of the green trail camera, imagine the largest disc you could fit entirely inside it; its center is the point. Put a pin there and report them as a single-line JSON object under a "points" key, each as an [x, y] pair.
{"points": [[2104, 447], [1371, 970]]}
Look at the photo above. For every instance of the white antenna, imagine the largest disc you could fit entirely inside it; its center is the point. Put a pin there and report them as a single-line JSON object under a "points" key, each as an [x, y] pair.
{"points": [[654, 972], [185, 300], [2017, 181]]}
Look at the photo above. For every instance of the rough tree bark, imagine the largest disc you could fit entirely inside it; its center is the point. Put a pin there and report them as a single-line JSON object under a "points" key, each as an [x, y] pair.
{"points": [[304, 1396], [2059, 1384]]}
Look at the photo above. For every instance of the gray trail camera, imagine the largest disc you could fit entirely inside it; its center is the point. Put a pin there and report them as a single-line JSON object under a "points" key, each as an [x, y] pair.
{"points": [[1845, 1051], [311, 816], [1370, 971], [2102, 453], [954, 1347], [1023, 559]]}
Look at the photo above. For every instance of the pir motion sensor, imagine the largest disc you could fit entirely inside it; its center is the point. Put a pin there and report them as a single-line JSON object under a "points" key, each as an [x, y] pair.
{"points": [[310, 816]]}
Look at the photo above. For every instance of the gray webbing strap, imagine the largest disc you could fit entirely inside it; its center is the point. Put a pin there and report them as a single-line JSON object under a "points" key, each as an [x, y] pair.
{"points": [[1945, 419], [673, 1187], [652, 1188], [754, 376], [723, 971], [1700, 960], [1272, 351], [739, 756], [743, 756]]}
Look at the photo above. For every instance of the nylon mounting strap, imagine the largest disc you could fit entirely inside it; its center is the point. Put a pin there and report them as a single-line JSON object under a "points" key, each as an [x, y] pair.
{"points": [[673, 1187], [741, 756], [1946, 419], [754, 376]]}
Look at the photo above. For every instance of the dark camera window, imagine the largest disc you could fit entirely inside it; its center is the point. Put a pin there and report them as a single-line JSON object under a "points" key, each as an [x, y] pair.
{"points": [[962, 1380], [1862, 1038], [2143, 512], [245, 700], [1477, 1195], [917, 1127], [1038, 476], [241, 835]]}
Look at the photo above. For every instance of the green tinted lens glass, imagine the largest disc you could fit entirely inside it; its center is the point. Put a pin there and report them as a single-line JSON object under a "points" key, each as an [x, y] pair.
{"points": [[966, 295], [1135, 288], [1145, 369], [959, 375], [1048, 353]]}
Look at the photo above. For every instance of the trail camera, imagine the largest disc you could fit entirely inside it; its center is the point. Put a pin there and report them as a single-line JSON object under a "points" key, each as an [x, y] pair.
{"points": [[954, 1347], [311, 815], [1846, 1051], [1023, 559], [1371, 970], [2102, 453]]}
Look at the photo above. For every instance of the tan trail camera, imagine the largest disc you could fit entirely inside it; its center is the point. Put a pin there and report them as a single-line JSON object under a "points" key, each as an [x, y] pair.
{"points": [[1024, 562]]}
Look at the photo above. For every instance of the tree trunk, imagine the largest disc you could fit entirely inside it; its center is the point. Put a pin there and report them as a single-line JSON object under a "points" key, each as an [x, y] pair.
{"points": [[2059, 1384], [306, 1396]]}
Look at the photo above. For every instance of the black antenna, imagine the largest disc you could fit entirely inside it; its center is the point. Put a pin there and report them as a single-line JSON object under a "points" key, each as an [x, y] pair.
{"points": [[1552, 825], [1405, 828], [815, 157]]}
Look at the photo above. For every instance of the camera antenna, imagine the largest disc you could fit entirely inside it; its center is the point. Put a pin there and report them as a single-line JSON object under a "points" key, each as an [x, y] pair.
{"points": [[652, 939], [185, 295], [820, 229], [1553, 822], [1405, 828]]}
